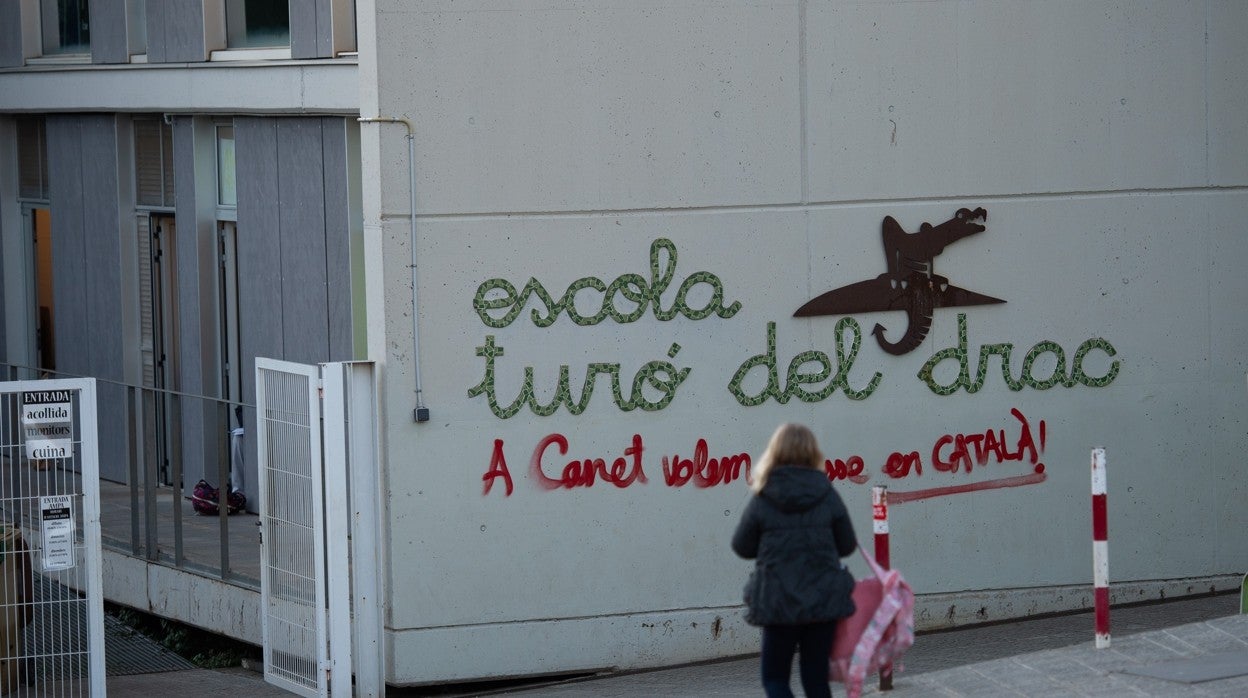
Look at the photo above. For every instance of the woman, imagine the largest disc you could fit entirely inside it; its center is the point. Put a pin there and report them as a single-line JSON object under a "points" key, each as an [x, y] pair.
{"points": [[797, 529]]}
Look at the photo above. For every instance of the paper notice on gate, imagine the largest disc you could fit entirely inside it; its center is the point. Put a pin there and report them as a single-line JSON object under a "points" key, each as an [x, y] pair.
{"points": [[48, 424], [58, 532]]}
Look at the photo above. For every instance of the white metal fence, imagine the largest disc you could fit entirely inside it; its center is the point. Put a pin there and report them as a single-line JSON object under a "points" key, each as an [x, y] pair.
{"points": [[51, 590], [319, 502], [292, 562]]}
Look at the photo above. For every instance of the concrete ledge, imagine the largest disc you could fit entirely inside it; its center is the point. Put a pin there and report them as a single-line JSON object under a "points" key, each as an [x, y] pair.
{"points": [[566, 646], [943, 611], [587, 645], [272, 87], [667, 638], [203, 602]]}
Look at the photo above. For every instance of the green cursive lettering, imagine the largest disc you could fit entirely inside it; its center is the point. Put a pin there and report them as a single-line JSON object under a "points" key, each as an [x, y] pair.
{"points": [[499, 295]]}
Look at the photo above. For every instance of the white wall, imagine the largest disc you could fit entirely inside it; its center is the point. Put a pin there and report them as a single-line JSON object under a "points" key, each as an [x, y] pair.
{"points": [[767, 142]]}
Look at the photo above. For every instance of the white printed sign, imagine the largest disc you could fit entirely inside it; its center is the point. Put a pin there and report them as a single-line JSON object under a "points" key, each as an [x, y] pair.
{"points": [[48, 424], [58, 531]]}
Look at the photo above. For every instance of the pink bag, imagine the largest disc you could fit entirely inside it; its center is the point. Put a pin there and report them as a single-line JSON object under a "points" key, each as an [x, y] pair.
{"points": [[879, 632]]}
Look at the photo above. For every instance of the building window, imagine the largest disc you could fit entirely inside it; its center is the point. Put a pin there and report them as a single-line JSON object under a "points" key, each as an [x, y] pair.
{"points": [[153, 163], [136, 26], [257, 23], [32, 158], [66, 27], [227, 191]]}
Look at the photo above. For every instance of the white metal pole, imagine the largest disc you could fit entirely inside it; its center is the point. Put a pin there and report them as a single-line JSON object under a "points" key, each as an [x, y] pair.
{"points": [[336, 526]]}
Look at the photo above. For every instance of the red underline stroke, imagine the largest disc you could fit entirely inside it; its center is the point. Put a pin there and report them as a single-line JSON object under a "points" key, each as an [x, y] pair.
{"points": [[1032, 479]]}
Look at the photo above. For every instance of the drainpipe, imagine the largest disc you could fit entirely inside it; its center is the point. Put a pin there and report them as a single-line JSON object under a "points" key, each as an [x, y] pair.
{"points": [[421, 413]]}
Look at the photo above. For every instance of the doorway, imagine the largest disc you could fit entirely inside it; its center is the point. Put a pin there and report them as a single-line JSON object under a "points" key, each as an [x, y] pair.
{"points": [[227, 318], [43, 336], [158, 332]]}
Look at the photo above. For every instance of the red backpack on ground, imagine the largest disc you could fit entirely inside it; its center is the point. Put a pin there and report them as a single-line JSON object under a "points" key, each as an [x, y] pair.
{"points": [[206, 499]]}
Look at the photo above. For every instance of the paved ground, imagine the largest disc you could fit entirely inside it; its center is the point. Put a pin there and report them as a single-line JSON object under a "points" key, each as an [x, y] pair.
{"points": [[197, 683], [1044, 657]]}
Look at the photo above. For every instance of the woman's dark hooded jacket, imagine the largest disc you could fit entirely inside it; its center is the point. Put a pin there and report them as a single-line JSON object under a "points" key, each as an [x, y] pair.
{"points": [[798, 530]]}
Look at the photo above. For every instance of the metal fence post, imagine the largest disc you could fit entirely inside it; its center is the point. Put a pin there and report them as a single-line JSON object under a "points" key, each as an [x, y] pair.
{"points": [[879, 521]]}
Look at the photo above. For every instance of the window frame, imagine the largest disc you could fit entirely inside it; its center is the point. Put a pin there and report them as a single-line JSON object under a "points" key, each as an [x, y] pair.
{"points": [[225, 211], [51, 42], [41, 158], [236, 26], [344, 35], [166, 156]]}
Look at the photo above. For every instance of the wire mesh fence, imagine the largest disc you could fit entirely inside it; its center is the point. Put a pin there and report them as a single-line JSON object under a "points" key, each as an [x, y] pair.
{"points": [[169, 441], [51, 604], [292, 554]]}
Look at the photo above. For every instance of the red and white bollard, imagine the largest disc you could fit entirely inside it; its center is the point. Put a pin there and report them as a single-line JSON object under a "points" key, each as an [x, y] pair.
{"points": [[1100, 548], [879, 524]]}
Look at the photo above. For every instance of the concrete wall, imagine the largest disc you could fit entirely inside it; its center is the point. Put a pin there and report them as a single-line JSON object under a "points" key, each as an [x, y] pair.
{"points": [[767, 143]]}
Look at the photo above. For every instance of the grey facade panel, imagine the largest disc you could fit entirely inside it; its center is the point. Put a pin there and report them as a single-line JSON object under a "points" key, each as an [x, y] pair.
{"points": [[11, 35], [176, 30], [109, 40], [200, 419], [102, 245], [303, 29], [293, 236], [294, 257], [324, 29], [311, 29], [337, 238], [83, 193], [4, 343], [305, 308], [259, 249], [155, 26], [69, 291], [188, 263], [102, 264]]}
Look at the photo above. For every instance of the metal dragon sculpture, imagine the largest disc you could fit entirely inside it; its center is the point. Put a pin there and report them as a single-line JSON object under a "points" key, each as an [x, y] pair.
{"points": [[909, 282]]}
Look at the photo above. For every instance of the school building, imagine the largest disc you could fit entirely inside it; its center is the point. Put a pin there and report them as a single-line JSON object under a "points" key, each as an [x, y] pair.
{"points": [[598, 251]]}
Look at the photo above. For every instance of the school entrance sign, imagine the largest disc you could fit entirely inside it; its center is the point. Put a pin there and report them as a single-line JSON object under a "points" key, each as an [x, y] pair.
{"points": [[48, 423]]}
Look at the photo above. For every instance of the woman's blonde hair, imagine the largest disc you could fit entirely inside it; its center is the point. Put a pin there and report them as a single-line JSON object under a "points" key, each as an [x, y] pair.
{"points": [[791, 444]]}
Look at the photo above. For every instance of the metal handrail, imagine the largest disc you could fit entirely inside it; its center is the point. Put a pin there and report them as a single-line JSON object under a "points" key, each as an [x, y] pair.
{"points": [[11, 369], [144, 481]]}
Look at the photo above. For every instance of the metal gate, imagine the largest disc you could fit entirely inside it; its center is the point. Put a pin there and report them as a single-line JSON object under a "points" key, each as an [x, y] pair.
{"points": [[51, 586], [305, 500]]}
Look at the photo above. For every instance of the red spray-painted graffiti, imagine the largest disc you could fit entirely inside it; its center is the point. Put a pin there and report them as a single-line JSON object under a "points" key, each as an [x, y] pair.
{"points": [[704, 471], [973, 449], [581, 473], [498, 468], [846, 469], [990, 444], [964, 451], [951, 453], [999, 483], [701, 470]]}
